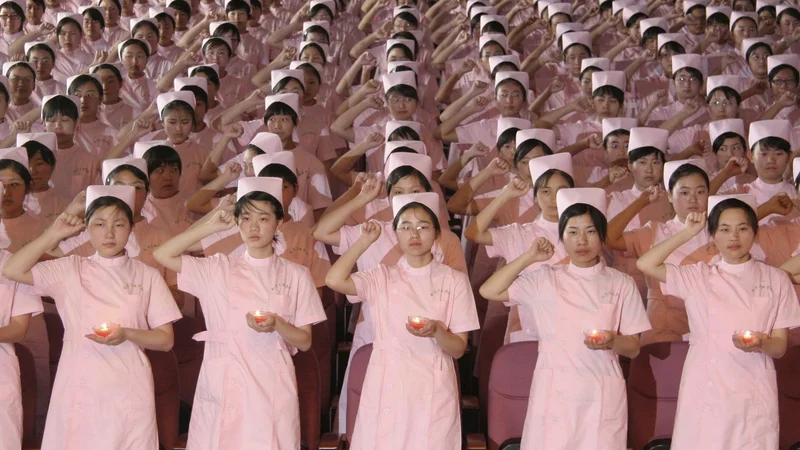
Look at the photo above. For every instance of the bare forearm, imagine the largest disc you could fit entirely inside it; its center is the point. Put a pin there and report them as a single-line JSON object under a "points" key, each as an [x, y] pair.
{"points": [[496, 287], [160, 339], [627, 346], [451, 344], [298, 337], [15, 330]]}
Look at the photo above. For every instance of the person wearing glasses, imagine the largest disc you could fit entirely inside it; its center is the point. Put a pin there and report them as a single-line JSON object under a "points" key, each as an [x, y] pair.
{"points": [[784, 75], [21, 83], [12, 20], [687, 74]]}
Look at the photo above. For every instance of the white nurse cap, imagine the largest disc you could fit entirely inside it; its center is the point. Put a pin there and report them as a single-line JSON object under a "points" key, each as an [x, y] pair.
{"points": [[283, 158], [429, 199], [110, 165], [560, 161], [595, 197], [125, 193], [422, 163]]}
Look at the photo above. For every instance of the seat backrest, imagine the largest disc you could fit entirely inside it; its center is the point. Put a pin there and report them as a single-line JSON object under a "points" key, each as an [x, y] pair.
{"points": [[492, 336], [27, 373], [653, 384], [167, 395], [787, 369], [509, 389], [306, 368], [355, 381]]}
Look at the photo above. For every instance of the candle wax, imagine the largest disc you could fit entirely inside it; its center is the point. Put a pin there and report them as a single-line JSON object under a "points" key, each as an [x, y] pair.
{"points": [[259, 316], [103, 331], [596, 336], [747, 337], [417, 323]]}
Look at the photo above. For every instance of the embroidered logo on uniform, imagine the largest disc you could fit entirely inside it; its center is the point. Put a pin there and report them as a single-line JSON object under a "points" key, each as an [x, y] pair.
{"points": [[133, 288], [278, 287], [302, 250], [761, 290], [607, 297], [440, 291], [80, 170]]}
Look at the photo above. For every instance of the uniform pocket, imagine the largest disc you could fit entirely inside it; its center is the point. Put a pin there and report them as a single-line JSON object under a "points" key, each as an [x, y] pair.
{"points": [[614, 401], [606, 317], [212, 379], [10, 390]]}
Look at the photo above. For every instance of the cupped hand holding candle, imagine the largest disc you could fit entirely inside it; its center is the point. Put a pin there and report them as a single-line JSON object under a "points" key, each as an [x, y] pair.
{"points": [[748, 340], [261, 321], [421, 326], [107, 334], [596, 339], [417, 322]]}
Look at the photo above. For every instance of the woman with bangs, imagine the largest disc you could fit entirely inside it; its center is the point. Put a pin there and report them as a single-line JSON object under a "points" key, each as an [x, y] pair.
{"points": [[419, 285], [138, 89], [689, 79], [42, 57], [94, 134], [146, 30], [22, 85], [264, 306], [108, 288], [753, 71], [93, 24], [44, 202], [113, 108], [12, 22], [784, 77], [728, 141]]}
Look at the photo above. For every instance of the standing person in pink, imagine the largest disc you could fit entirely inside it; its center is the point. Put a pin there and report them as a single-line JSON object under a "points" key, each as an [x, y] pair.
{"points": [[411, 361], [740, 310], [103, 392], [16, 309], [587, 313], [259, 309]]}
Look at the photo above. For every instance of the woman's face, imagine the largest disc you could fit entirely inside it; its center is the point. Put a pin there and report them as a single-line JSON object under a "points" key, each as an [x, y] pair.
{"points": [[90, 99], [148, 34], [94, 30], [21, 84], [734, 236], [522, 166], [696, 21], [788, 24], [743, 6], [647, 171], [257, 224], [509, 98], [770, 163], [690, 194], [282, 125], [42, 63], [322, 15], [573, 57], [766, 22], [178, 126], [507, 151], [687, 85], [200, 109], [743, 29], [165, 180], [109, 230], [34, 13], [218, 54], [416, 232], [111, 85], [546, 196], [111, 13], [3, 106], [606, 106], [312, 85], [181, 20], [731, 147], [783, 81], [408, 185], [311, 54], [165, 31], [134, 59], [127, 7], [292, 87], [40, 172], [289, 193], [249, 171], [318, 37], [70, 37], [617, 148], [635, 32], [665, 59], [396, 54], [239, 18], [721, 107], [758, 62], [126, 178], [582, 241], [13, 193], [488, 51], [402, 25], [401, 107], [63, 126], [10, 21]]}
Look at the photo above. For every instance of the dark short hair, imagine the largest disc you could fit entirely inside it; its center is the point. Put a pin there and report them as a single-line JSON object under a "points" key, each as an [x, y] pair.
{"points": [[209, 72], [775, 70], [515, 83], [578, 209], [258, 196], [19, 169], [406, 51], [731, 203], [403, 90], [755, 47], [773, 142], [725, 136], [674, 46], [643, 152], [544, 178], [790, 11], [114, 69], [408, 17], [692, 71], [237, 5], [525, 147], [60, 106], [279, 171], [403, 172], [35, 148], [615, 133], [404, 133], [613, 91], [161, 155], [280, 109], [40, 46], [507, 136], [635, 18], [85, 79], [138, 42], [317, 29], [96, 16], [651, 33], [144, 23], [684, 171], [200, 96], [164, 16], [182, 6], [718, 18], [434, 219], [108, 200], [179, 106], [22, 64], [728, 92], [282, 84], [135, 171], [317, 8], [217, 41]]}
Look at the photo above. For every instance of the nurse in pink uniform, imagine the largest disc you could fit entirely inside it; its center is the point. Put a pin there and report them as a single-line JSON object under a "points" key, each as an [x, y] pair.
{"points": [[94, 134], [138, 89], [551, 174], [103, 392], [17, 307], [259, 309], [410, 394], [740, 310], [688, 75], [729, 140], [42, 200], [586, 314]]}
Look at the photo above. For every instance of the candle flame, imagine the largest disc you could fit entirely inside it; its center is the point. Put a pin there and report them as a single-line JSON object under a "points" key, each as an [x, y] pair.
{"points": [[747, 334], [103, 326], [257, 313]]}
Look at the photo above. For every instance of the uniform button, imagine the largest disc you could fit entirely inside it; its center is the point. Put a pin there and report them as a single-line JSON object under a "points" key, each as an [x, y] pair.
{"points": [[394, 291], [80, 408], [233, 383], [558, 395], [714, 311], [386, 410], [390, 386], [555, 420], [562, 343], [230, 408], [85, 356], [560, 369], [715, 335], [392, 362], [394, 339], [713, 360], [235, 283], [708, 408], [563, 319], [710, 384]]}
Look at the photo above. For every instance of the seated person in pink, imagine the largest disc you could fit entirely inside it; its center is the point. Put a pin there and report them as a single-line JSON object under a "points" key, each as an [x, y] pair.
{"points": [[94, 133], [43, 201]]}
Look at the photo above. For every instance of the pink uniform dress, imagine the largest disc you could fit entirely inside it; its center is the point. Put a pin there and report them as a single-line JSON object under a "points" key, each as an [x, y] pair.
{"points": [[46, 205], [15, 302], [75, 170], [763, 192], [118, 114], [97, 137], [578, 398], [410, 393], [169, 214], [247, 393], [509, 243], [103, 395], [728, 398]]}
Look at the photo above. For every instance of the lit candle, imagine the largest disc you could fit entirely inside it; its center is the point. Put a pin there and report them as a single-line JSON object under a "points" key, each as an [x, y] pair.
{"points": [[747, 337], [595, 335], [416, 322], [103, 330], [259, 316]]}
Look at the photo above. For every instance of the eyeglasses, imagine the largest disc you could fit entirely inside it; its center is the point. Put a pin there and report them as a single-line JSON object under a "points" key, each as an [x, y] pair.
{"points": [[718, 104], [689, 80], [506, 96], [418, 230], [396, 100], [20, 80], [69, 34], [784, 82]]}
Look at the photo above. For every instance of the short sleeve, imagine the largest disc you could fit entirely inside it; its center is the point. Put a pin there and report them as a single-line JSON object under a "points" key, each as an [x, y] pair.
{"points": [[348, 235], [162, 308], [308, 307], [633, 317], [25, 302], [504, 239], [465, 314], [788, 306], [472, 133], [319, 265], [682, 280], [370, 284], [524, 289], [197, 274], [51, 277], [638, 241]]}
